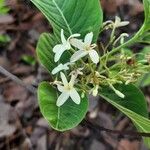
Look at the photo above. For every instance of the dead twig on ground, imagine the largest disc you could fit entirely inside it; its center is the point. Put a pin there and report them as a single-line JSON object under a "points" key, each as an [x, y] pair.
{"points": [[30, 88]]}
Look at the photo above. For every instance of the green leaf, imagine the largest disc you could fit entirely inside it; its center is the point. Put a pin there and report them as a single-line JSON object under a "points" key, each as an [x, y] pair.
{"points": [[147, 14], [140, 35], [4, 39], [44, 51], [29, 59], [146, 38], [74, 16], [45, 54], [127, 52], [61, 118], [142, 55], [3, 8], [144, 80], [133, 105]]}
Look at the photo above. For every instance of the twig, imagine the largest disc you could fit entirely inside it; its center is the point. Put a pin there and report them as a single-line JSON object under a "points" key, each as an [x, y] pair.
{"points": [[17, 80], [100, 128]]}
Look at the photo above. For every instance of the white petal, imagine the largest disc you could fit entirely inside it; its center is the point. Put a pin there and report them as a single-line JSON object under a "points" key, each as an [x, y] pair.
{"points": [[59, 68], [75, 96], [117, 19], [63, 37], [62, 99], [57, 48], [74, 35], [123, 23], [59, 53], [77, 43], [94, 56], [77, 55], [60, 88], [72, 80], [64, 79], [88, 38], [119, 23]]}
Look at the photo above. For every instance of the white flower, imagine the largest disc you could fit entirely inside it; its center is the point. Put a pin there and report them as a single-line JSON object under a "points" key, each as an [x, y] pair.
{"points": [[77, 72], [67, 90], [118, 23], [85, 48], [61, 67], [60, 48]]}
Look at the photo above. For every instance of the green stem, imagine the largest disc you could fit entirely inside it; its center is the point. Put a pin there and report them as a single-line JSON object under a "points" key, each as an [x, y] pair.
{"points": [[128, 43]]}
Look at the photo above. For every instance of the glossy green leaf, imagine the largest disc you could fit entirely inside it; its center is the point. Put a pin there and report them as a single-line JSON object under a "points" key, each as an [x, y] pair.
{"points": [[3, 8], [146, 38], [147, 14], [61, 118], [144, 80], [44, 51], [74, 16], [133, 105]]}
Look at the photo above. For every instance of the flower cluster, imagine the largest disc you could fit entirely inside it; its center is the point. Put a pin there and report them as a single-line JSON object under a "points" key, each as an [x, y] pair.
{"points": [[89, 68], [85, 48]]}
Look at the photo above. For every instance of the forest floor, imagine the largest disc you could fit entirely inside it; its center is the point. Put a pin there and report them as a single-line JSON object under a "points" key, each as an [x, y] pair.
{"points": [[22, 126]]}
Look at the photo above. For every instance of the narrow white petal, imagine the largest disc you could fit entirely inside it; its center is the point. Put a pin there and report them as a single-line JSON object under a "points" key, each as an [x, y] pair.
{"points": [[59, 68], [65, 66], [59, 53], [72, 80], [117, 20], [57, 48], [88, 38], [63, 39], [62, 99], [77, 43], [94, 56], [74, 35], [64, 79], [123, 23], [67, 45], [77, 55], [75, 96], [60, 88]]}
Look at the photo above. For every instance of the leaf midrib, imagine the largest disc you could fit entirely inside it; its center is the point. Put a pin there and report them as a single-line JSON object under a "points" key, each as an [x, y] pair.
{"points": [[58, 115], [70, 31], [61, 13]]}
